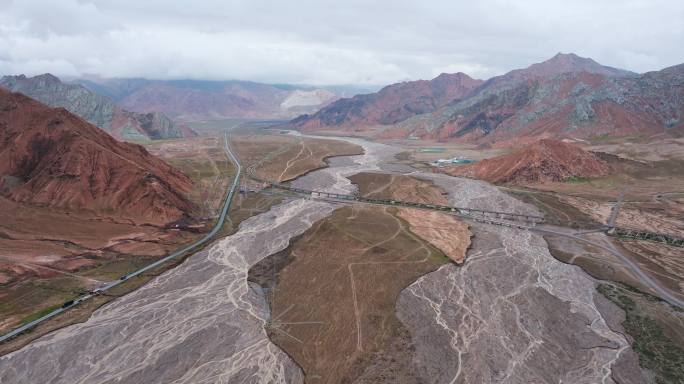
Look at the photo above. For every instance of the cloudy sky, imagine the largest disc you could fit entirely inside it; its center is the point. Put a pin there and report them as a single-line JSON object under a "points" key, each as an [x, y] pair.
{"points": [[330, 42]]}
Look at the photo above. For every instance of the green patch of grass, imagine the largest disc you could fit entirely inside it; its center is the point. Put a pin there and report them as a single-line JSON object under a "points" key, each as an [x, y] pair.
{"points": [[113, 269], [403, 156], [576, 179], [607, 139], [657, 352], [23, 300], [38, 315]]}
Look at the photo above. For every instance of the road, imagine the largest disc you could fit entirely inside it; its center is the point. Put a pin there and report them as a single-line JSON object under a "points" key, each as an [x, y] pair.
{"points": [[635, 269], [174, 255], [616, 210]]}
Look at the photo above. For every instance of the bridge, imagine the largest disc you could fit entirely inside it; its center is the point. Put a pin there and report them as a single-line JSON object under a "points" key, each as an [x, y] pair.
{"points": [[459, 211], [508, 219], [481, 215]]}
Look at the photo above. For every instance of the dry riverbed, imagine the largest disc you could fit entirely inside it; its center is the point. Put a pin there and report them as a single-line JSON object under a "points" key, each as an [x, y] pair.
{"points": [[510, 313]]}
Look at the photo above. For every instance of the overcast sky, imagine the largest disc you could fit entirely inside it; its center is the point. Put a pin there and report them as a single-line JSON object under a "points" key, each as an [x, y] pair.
{"points": [[325, 42]]}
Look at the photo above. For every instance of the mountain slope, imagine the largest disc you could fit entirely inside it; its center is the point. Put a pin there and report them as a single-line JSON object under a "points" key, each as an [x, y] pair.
{"points": [[50, 157], [391, 104], [95, 108], [543, 161], [562, 97], [198, 100]]}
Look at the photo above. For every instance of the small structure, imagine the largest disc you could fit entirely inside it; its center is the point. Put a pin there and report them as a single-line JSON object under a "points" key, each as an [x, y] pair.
{"points": [[431, 150], [453, 160]]}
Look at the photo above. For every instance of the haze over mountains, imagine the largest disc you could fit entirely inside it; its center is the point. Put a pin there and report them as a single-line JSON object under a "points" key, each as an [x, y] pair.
{"points": [[200, 100], [565, 96], [140, 109]]}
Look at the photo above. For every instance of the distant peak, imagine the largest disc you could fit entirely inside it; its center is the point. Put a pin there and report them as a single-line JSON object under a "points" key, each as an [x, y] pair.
{"points": [[444, 75], [570, 62], [561, 57], [48, 77], [570, 55], [13, 78]]}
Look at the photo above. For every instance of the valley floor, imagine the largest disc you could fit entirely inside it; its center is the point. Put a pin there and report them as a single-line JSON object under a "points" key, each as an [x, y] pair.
{"points": [[308, 291]]}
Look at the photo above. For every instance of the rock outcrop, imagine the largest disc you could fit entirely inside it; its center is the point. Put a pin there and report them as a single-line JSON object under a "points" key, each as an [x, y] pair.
{"points": [[544, 161], [95, 108], [50, 157]]}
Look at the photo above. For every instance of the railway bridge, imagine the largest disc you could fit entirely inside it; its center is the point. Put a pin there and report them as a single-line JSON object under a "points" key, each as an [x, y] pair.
{"points": [[482, 215], [508, 219]]}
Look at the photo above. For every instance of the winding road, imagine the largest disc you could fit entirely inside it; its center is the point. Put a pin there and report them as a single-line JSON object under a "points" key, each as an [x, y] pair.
{"points": [[174, 255]]}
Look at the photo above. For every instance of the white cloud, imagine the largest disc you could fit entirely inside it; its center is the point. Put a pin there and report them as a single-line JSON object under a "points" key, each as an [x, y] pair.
{"points": [[324, 42]]}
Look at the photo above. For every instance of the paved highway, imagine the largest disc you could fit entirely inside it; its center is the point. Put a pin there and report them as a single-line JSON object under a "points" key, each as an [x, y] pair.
{"points": [[180, 252]]}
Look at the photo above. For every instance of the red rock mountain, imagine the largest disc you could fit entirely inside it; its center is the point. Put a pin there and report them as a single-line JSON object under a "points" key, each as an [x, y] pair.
{"points": [[543, 161], [50, 157], [391, 104]]}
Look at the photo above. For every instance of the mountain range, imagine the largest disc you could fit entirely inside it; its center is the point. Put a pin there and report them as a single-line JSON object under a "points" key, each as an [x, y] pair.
{"points": [[393, 103], [190, 100], [95, 108], [141, 109], [565, 96], [51, 157]]}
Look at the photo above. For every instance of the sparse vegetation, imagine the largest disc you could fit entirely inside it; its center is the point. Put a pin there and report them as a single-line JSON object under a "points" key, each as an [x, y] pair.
{"points": [[576, 179], [555, 211], [403, 156], [355, 263], [657, 351], [38, 315]]}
